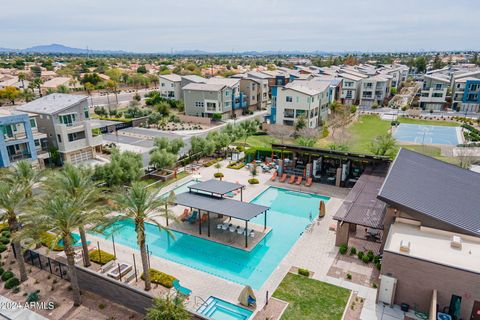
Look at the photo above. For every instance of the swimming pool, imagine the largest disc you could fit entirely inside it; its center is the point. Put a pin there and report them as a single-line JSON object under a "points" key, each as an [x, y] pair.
{"points": [[218, 309], [288, 216], [424, 134], [181, 188]]}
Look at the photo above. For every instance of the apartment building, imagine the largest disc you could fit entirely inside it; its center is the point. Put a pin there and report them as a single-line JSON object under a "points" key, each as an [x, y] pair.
{"points": [[300, 98], [20, 139], [65, 120], [434, 91], [170, 86], [374, 90], [398, 73], [350, 89], [466, 91], [255, 90]]}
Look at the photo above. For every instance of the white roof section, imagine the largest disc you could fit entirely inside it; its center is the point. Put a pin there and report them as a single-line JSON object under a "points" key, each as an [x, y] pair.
{"points": [[195, 78], [438, 76], [308, 87], [259, 75], [349, 76], [55, 82], [229, 82], [433, 245], [204, 87], [171, 77], [52, 104]]}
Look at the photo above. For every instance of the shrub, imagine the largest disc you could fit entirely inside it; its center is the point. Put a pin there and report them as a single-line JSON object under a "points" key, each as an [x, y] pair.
{"points": [[7, 275], [349, 276], [365, 258], [360, 255], [378, 265], [16, 289], [253, 181], [343, 249], [48, 239], [1, 271], [217, 116], [101, 257], [236, 165], [161, 278], [6, 233], [218, 175], [374, 285], [101, 306], [2, 247], [370, 255], [212, 162], [12, 282], [303, 272], [353, 251], [376, 259], [4, 240]]}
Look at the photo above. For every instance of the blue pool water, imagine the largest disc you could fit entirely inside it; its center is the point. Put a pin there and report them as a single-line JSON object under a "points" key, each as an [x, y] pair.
{"points": [[217, 309], [424, 134], [288, 216], [76, 242]]}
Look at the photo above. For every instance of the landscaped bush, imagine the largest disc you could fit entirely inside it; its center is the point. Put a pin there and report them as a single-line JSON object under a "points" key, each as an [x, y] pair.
{"points": [[161, 278], [2, 247], [7, 275], [100, 256], [253, 181], [303, 272], [6, 233], [33, 296], [378, 265], [343, 249], [218, 175], [212, 162], [12, 282], [353, 251], [236, 165], [376, 259], [49, 240], [349, 276], [360, 255], [370, 255], [365, 258], [1, 271], [4, 240]]}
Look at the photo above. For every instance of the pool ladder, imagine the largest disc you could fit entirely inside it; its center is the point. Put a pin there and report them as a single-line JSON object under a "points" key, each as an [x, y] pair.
{"points": [[195, 302]]}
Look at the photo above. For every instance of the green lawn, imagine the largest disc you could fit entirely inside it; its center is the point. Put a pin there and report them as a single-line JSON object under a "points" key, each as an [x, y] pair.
{"points": [[264, 141], [428, 122], [363, 132], [163, 184], [311, 299]]}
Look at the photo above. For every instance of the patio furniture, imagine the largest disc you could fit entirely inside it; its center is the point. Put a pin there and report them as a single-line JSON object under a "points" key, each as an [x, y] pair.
{"points": [[252, 234], [274, 176], [184, 215], [299, 180], [309, 182], [292, 179], [232, 228], [226, 226], [180, 289], [283, 178], [240, 230], [331, 179], [204, 218], [193, 217], [120, 270]]}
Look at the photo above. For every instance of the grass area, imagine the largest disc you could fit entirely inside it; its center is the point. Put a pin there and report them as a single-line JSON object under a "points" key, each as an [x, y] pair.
{"points": [[363, 131], [308, 298], [428, 122], [163, 184], [264, 141]]}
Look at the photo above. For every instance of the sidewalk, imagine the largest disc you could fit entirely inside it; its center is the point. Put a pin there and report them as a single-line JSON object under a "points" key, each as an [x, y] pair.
{"points": [[10, 311]]}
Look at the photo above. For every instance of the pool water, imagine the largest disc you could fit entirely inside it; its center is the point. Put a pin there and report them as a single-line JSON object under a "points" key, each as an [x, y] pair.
{"points": [[217, 309], [425, 134], [76, 241], [288, 216]]}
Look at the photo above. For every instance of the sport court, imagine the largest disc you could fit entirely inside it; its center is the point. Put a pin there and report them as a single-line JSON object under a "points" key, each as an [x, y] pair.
{"points": [[425, 134]]}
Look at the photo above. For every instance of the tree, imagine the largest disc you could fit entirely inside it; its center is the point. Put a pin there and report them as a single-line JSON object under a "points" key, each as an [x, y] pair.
{"points": [[140, 204], [167, 308], [162, 159], [10, 93], [123, 168], [63, 89], [300, 123], [280, 132], [421, 64], [306, 142], [246, 129], [24, 173], [92, 78], [13, 199], [37, 84], [170, 145], [437, 62], [112, 87], [36, 71], [142, 69], [77, 183], [21, 77], [384, 145]]}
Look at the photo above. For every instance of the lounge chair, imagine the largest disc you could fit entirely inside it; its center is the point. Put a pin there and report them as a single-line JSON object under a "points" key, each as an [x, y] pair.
{"points": [[292, 179], [299, 180], [204, 218], [182, 290], [240, 230], [252, 234], [193, 217], [309, 182], [283, 178], [274, 176], [225, 226], [184, 215], [232, 228]]}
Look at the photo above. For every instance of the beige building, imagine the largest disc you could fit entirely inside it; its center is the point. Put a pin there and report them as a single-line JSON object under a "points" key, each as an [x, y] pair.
{"points": [[170, 86]]}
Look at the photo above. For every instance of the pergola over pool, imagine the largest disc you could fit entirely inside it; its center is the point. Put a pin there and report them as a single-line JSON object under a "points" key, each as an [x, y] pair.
{"points": [[209, 197]]}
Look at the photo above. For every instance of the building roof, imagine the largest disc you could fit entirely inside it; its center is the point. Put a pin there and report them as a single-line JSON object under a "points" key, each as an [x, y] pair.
{"points": [[203, 87], [438, 76], [434, 188], [350, 76], [55, 82], [216, 186], [195, 78], [361, 205], [462, 80], [229, 82], [433, 245], [309, 87], [171, 77], [259, 75], [229, 207], [52, 104]]}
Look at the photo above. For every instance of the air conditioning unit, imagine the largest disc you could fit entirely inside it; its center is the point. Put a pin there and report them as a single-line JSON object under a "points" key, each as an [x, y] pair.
{"points": [[456, 242], [405, 246]]}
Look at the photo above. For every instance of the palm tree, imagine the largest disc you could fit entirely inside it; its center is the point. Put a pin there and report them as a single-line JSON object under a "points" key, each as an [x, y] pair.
{"points": [[167, 308], [13, 198], [140, 204], [24, 173], [77, 182], [21, 77], [56, 210]]}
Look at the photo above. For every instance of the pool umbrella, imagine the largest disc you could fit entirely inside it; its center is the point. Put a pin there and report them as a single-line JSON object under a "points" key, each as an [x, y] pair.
{"points": [[321, 213], [247, 297]]}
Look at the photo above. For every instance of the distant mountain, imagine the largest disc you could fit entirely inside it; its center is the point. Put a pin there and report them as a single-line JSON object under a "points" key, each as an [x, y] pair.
{"points": [[60, 48]]}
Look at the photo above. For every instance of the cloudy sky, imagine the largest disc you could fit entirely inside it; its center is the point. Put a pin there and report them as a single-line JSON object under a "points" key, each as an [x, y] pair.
{"points": [[226, 25]]}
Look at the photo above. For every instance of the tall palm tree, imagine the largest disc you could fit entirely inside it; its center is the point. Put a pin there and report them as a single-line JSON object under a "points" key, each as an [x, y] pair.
{"points": [[24, 173], [77, 182], [58, 211], [141, 204], [13, 198]]}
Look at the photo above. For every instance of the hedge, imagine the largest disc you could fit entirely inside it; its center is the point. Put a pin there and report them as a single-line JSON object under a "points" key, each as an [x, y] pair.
{"points": [[212, 162], [4, 240], [218, 175], [2, 247], [261, 153], [48, 239], [161, 278], [11, 283], [7, 275], [343, 249], [100, 256], [237, 165], [1, 271], [304, 272]]}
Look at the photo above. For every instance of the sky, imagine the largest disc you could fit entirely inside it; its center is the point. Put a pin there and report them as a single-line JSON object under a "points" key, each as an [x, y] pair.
{"points": [[242, 25]]}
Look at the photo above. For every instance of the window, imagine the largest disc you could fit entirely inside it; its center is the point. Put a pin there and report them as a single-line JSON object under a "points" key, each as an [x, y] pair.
{"points": [[253, 97], [227, 104], [67, 118], [349, 84], [349, 94], [288, 99], [37, 143], [300, 113], [368, 85], [438, 86], [172, 85], [437, 95], [211, 106], [59, 137], [367, 94], [199, 104], [253, 86], [288, 113], [163, 84], [85, 112], [297, 99], [473, 87], [227, 93], [33, 123]]}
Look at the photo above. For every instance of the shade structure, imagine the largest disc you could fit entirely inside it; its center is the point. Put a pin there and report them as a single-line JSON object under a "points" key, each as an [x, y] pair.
{"points": [[322, 211], [214, 186], [247, 297]]}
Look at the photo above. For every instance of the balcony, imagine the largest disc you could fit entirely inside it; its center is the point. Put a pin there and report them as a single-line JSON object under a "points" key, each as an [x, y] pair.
{"points": [[14, 136], [19, 156]]}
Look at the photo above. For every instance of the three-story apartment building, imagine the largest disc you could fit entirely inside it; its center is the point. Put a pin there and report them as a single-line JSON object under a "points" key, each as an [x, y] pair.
{"points": [[65, 120], [434, 91], [170, 86], [374, 90]]}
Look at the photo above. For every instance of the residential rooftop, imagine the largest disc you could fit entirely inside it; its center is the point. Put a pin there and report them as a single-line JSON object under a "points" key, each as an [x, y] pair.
{"points": [[309, 87], [203, 87], [172, 77], [52, 104], [433, 245], [229, 82], [195, 78]]}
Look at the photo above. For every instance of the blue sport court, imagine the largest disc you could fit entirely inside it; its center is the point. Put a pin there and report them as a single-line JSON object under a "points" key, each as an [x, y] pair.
{"points": [[424, 134]]}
